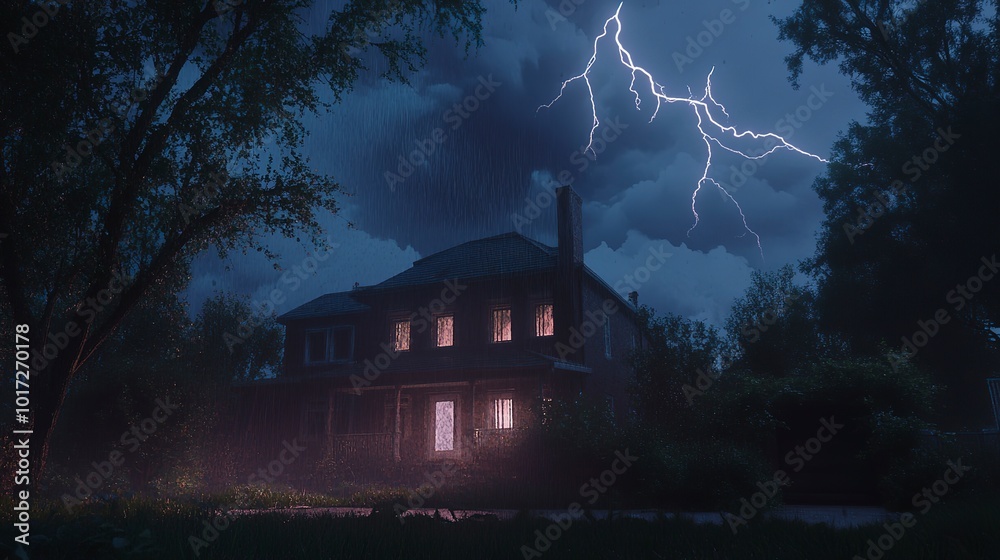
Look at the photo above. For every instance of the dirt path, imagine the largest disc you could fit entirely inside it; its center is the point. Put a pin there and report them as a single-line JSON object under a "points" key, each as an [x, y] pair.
{"points": [[835, 516]]}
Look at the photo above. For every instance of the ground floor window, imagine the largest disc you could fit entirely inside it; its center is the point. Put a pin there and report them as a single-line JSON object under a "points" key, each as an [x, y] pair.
{"points": [[501, 412]]}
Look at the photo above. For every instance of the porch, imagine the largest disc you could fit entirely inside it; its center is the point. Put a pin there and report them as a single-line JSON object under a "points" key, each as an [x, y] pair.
{"points": [[378, 448]]}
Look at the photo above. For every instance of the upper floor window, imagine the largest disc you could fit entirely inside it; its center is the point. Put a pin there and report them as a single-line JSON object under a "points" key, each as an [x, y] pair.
{"points": [[501, 324], [343, 344], [544, 322], [335, 344], [316, 346], [401, 335], [445, 330]]}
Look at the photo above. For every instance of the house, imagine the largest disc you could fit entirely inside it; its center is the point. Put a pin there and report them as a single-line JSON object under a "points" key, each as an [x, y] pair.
{"points": [[454, 358]]}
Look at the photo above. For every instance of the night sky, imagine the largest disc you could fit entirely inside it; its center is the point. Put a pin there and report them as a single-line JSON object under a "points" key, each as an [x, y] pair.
{"points": [[636, 194]]}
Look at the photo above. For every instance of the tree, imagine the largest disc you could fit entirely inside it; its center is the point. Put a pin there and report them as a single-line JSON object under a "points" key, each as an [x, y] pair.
{"points": [[908, 224], [774, 325], [681, 361], [131, 137], [235, 343]]}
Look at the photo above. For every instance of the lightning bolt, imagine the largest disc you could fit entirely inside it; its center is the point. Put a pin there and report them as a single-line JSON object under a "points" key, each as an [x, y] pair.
{"points": [[711, 130]]}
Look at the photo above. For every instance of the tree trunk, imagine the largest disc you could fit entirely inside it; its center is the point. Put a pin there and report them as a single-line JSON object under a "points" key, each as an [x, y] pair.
{"points": [[48, 391]]}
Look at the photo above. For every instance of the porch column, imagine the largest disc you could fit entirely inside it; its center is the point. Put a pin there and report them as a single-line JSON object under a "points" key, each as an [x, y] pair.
{"points": [[475, 439], [329, 419], [396, 431]]}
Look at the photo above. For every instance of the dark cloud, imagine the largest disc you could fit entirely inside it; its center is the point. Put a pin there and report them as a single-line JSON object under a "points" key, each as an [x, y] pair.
{"points": [[637, 192]]}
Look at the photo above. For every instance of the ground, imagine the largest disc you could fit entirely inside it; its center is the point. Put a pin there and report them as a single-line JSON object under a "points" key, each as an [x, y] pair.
{"points": [[962, 527]]}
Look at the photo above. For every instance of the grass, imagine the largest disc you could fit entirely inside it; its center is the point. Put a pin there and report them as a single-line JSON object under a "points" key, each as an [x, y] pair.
{"points": [[960, 528]]}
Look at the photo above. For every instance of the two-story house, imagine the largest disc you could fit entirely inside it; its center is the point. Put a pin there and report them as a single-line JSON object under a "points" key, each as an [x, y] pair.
{"points": [[453, 357]]}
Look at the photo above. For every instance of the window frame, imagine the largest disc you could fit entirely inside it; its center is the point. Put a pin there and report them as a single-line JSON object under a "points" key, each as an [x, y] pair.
{"points": [[456, 447], [552, 307], [492, 398], [393, 332], [307, 333], [331, 347], [437, 330], [493, 324]]}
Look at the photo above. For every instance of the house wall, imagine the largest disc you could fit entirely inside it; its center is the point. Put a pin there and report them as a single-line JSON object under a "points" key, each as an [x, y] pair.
{"points": [[469, 302], [610, 376], [372, 412]]}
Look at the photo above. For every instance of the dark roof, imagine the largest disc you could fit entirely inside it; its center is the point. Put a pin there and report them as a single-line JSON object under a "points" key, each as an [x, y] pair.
{"points": [[337, 303], [510, 253], [502, 254]]}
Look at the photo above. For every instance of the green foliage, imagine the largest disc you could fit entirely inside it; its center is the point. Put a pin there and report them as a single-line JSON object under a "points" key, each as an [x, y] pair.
{"points": [[774, 326], [678, 351], [903, 225], [698, 475], [234, 342], [137, 135], [724, 420], [580, 428], [159, 354]]}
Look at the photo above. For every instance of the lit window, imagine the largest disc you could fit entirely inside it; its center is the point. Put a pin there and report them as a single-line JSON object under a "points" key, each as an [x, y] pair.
{"points": [[501, 324], [544, 324], [444, 426], [502, 413], [401, 335], [607, 336], [316, 342], [446, 330]]}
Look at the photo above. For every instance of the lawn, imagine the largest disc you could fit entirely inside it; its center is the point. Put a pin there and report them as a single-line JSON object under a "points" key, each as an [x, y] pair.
{"points": [[963, 527]]}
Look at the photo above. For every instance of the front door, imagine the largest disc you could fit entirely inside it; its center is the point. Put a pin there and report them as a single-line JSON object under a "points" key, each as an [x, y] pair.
{"points": [[444, 426]]}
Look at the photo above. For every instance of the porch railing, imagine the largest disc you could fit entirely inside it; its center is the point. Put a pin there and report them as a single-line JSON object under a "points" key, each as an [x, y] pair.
{"points": [[372, 447], [497, 442]]}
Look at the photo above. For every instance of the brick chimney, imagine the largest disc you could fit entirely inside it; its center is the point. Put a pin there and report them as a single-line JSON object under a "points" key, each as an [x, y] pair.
{"points": [[569, 267]]}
